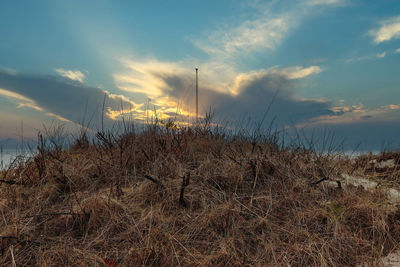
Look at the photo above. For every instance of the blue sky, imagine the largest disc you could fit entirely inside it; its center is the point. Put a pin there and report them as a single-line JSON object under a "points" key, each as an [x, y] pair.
{"points": [[332, 64]]}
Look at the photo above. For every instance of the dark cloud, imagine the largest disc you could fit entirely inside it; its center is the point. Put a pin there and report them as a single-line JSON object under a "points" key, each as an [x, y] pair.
{"points": [[253, 99], [68, 99], [366, 117]]}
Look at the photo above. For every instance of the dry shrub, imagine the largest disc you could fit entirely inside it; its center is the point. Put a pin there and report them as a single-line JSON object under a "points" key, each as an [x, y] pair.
{"points": [[186, 197]]}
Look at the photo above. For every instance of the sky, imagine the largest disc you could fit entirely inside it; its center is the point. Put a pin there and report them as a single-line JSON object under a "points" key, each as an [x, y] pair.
{"points": [[312, 66]]}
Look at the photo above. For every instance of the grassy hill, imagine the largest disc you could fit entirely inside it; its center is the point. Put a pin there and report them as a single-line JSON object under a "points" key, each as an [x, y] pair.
{"points": [[192, 196]]}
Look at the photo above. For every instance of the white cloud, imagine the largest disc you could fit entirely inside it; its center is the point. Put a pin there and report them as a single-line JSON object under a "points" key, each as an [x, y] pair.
{"points": [[392, 107], [74, 75], [128, 106], [23, 101], [397, 50], [357, 114], [264, 32], [369, 57], [8, 70], [389, 29], [381, 55], [141, 76], [300, 72], [356, 59], [266, 29], [16, 96], [325, 2]]}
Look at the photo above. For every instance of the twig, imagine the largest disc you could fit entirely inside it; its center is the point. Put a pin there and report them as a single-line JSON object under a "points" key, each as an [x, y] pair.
{"points": [[254, 167], [4, 243], [154, 180], [320, 181], [75, 195], [9, 167], [52, 214], [12, 256], [11, 182], [234, 160], [339, 183], [145, 154], [176, 255], [185, 182]]}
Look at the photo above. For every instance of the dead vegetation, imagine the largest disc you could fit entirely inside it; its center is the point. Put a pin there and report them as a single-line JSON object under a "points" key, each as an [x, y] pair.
{"points": [[385, 166], [191, 196]]}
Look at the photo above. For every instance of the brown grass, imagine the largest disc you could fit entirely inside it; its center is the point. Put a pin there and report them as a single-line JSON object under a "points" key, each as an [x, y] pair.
{"points": [[181, 197]]}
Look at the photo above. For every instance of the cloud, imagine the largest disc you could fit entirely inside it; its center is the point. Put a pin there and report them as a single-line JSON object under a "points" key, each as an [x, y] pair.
{"points": [[14, 95], [299, 72], [158, 81], [22, 100], [365, 58], [389, 29], [64, 100], [256, 91], [357, 59], [366, 117], [171, 87], [264, 32], [8, 70], [397, 50], [356, 114], [231, 92], [141, 76], [325, 2], [74, 75], [381, 55], [392, 106], [146, 77]]}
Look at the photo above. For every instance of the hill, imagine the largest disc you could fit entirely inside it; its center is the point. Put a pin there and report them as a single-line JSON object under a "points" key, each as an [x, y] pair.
{"points": [[194, 196]]}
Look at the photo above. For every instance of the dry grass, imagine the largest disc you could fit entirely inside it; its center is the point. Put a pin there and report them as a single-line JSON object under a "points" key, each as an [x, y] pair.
{"points": [[169, 197]]}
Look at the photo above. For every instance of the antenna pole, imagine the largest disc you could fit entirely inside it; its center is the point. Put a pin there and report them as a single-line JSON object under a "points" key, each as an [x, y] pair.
{"points": [[197, 94], [22, 137]]}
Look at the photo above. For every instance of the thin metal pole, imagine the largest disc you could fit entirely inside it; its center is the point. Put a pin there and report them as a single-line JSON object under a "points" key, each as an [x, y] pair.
{"points": [[22, 138], [197, 95], [1, 157]]}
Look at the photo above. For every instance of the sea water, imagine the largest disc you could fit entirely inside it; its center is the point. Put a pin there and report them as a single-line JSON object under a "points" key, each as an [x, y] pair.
{"points": [[7, 156]]}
